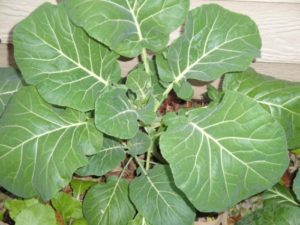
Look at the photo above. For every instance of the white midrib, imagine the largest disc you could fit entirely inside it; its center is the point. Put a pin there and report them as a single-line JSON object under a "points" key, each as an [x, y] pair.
{"points": [[283, 196], [40, 135], [201, 130], [92, 74], [189, 67], [137, 25]]}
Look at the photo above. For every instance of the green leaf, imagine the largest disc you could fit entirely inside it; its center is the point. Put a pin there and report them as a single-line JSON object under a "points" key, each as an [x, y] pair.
{"points": [[79, 187], [225, 153], [158, 200], [115, 116], [280, 194], [36, 215], [147, 113], [296, 186], [10, 83], [108, 203], [80, 222], [109, 157], [273, 213], [139, 144], [280, 98], [35, 143], [215, 41], [16, 206], [139, 82], [139, 220], [68, 67], [130, 25], [67, 206]]}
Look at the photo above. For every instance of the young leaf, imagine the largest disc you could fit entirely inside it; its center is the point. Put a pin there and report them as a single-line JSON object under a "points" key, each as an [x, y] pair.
{"points": [[109, 157], [79, 187], [280, 98], [273, 213], [68, 67], [80, 222], [139, 144], [225, 153], [35, 141], [16, 206], [10, 83], [115, 116], [280, 194], [139, 82], [296, 186], [147, 113], [158, 200], [129, 26], [108, 203], [215, 41], [67, 206], [36, 215]]}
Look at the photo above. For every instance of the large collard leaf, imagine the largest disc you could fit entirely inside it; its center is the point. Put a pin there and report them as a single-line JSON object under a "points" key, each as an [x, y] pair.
{"points": [[215, 41], [115, 115], [296, 186], [35, 141], [225, 153], [10, 83], [280, 98], [158, 199], [108, 203], [68, 67], [109, 157], [128, 26]]}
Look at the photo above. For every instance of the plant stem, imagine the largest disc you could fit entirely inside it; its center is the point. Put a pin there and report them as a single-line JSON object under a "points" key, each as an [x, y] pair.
{"points": [[146, 61], [147, 69], [141, 165]]}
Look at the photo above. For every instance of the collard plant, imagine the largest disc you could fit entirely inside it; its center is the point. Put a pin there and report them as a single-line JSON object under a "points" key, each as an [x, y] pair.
{"points": [[73, 116]]}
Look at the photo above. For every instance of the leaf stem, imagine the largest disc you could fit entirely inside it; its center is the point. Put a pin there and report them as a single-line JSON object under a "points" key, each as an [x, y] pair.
{"points": [[141, 165], [146, 61]]}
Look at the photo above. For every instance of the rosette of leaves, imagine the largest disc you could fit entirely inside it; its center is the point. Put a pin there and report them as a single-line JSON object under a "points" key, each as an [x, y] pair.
{"points": [[77, 117]]}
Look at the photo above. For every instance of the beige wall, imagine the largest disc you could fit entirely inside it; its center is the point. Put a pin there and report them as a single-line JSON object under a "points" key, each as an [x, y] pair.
{"points": [[278, 21]]}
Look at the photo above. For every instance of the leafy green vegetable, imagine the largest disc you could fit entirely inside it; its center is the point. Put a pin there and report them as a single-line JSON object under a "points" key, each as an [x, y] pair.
{"points": [[131, 25], [68, 67], [10, 83], [139, 144], [108, 203], [164, 203], [16, 206], [140, 83], [280, 194], [68, 207], [109, 157], [115, 115], [225, 153], [279, 208], [37, 214], [34, 139], [296, 186], [79, 187], [215, 41], [280, 98]]}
